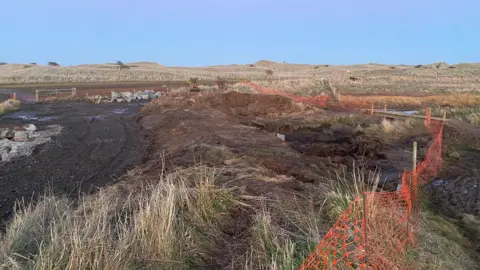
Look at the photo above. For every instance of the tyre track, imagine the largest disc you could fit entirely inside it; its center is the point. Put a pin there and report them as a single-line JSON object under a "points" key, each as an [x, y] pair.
{"points": [[85, 156]]}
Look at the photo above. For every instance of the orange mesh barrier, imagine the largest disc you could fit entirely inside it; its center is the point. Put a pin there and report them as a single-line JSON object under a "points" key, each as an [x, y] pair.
{"points": [[376, 229], [384, 225]]}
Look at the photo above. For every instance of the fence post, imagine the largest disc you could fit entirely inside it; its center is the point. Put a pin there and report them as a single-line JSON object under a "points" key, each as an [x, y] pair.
{"points": [[36, 95], [74, 92], [413, 190], [444, 115], [371, 110], [385, 107], [14, 96], [365, 224]]}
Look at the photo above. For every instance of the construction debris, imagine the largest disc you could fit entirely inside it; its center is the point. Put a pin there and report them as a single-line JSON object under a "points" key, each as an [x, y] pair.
{"points": [[126, 96], [20, 141]]}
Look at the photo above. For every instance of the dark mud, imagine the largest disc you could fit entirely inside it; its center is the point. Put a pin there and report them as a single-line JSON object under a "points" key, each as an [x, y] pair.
{"points": [[96, 146]]}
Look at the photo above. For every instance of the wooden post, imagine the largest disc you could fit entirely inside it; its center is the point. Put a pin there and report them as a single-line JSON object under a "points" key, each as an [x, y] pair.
{"points": [[385, 107], [74, 92], [36, 95], [339, 97], [414, 186], [371, 110], [444, 115]]}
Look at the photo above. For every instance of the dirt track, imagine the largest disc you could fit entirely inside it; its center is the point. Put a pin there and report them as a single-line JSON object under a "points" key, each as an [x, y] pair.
{"points": [[97, 144]]}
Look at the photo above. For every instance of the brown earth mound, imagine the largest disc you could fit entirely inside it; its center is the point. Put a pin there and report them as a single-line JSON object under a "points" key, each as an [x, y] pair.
{"points": [[233, 103]]}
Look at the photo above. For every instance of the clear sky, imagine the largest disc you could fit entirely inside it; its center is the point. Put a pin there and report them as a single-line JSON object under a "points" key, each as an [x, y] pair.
{"points": [[210, 32]]}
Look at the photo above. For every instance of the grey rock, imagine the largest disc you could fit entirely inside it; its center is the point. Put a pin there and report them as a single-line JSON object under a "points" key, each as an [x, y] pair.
{"points": [[30, 127], [20, 136]]}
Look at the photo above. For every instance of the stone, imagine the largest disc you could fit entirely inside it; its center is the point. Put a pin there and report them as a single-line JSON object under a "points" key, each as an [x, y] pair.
{"points": [[30, 127], [6, 133], [20, 136], [454, 154]]}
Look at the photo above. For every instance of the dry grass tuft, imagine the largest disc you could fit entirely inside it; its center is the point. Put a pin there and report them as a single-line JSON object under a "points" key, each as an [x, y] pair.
{"points": [[170, 225], [467, 99], [466, 114], [9, 105]]}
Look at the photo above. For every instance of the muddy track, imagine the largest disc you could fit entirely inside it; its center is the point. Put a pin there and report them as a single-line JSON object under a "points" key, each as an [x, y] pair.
{"points": [[96, 146]]}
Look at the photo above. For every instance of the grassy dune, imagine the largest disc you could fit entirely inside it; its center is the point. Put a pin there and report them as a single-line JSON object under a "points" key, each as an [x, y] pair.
{"points": [[355, 78]]}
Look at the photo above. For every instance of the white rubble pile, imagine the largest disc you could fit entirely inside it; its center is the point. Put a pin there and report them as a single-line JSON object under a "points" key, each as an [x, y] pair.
{"points": [[126, 96], [21, 141]]}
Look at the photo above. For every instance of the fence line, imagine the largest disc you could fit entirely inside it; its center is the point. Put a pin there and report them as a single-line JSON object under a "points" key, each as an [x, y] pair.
{"points": [[46, 93], [377, 228]]}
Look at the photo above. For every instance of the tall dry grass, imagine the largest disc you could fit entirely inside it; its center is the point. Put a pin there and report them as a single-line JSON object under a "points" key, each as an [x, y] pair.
{"points": [[286, 77], [9, 105], [465, 99], [177, 223], [466, 114], [170, 225]]}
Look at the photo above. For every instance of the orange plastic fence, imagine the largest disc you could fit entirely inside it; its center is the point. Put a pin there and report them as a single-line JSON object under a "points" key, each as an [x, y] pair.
{"points": [[376, 229], [385, 222]]}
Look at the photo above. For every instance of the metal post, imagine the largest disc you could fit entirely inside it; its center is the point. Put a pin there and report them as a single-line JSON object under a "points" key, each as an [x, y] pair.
{"points": [[365, 224]]}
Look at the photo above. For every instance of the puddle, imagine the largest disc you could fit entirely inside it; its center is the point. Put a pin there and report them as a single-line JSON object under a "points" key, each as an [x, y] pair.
{"points": [[48, 118], [437, 183], [21, 115], [120, 111], [99, 117], [399, 112]]}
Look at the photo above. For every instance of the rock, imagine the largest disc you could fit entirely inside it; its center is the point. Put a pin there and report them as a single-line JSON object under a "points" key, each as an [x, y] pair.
{"points": [[30, 127], [6, 133], [20, 136], [454, 154]]}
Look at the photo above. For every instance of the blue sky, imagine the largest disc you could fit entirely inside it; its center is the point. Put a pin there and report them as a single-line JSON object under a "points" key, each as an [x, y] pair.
{"points": [[210, 32]]}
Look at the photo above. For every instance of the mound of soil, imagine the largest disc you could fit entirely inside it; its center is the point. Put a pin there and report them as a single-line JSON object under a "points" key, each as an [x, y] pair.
{"points": [[182, 124], [233, 103]]}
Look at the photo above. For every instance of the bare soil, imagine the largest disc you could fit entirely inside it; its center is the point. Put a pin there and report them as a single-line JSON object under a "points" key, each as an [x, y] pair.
{"points": [[97, 144], [457, 187]]}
